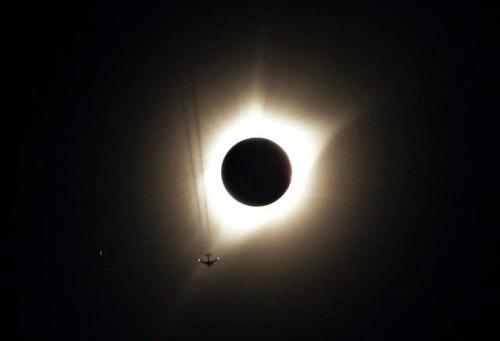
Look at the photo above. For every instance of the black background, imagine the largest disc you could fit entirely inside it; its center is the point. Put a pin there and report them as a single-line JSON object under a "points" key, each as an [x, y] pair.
{"points": [[91, 96]]}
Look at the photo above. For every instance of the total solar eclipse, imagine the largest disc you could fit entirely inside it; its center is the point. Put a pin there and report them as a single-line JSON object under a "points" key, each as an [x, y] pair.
{"points": [[256, 172]]}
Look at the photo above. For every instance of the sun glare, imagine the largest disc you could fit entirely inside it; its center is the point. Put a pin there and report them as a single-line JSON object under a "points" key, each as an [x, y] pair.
{"points": [[301, 142]]}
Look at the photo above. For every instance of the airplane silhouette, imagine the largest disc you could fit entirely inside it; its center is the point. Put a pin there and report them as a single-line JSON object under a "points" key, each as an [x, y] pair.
{"points": [[209, 261]]}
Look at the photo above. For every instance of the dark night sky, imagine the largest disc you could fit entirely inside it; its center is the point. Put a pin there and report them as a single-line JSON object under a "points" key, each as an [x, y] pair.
{"points": [[96, 143]]}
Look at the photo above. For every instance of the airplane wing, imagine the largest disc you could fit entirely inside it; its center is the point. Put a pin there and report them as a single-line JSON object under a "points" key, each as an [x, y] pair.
{"points": [[208, 261]]}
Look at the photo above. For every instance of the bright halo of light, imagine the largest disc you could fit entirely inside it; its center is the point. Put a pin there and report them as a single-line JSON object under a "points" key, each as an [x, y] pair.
{"points": [[302, 144]]}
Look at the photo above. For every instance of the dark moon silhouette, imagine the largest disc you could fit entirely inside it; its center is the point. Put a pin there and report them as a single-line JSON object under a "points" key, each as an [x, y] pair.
{"points": [[256, 172]]}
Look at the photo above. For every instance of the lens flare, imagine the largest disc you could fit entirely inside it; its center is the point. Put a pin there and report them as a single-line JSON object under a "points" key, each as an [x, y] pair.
{"points": [[301, 142]]}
